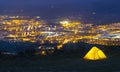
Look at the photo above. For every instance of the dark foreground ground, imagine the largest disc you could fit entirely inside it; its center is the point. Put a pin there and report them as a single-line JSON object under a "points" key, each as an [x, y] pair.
{"points": [[58, 63]]}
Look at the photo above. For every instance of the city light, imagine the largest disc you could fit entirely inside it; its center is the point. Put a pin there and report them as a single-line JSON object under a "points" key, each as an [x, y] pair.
{"points": [[33, 30]]}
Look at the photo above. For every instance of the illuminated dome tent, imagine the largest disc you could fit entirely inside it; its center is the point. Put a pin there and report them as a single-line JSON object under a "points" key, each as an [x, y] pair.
{"points": [[95, 54]]}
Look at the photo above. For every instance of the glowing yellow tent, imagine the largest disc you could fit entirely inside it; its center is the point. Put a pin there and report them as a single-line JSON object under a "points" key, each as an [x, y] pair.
{"points": [[95, 54]]}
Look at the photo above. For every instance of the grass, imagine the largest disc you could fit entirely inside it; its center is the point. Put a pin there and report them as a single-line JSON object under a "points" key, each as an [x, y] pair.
{"points": [[58, 64]]}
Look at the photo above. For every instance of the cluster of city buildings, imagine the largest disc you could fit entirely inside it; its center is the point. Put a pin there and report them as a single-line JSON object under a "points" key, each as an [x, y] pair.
{"points": [[33, 29]]}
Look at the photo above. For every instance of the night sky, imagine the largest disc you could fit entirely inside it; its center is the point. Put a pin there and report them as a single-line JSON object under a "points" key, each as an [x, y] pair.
{"points": [[104, 9]]}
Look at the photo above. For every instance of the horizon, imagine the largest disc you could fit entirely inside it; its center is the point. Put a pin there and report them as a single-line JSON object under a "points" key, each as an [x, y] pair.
{"points": [[95, 11]]}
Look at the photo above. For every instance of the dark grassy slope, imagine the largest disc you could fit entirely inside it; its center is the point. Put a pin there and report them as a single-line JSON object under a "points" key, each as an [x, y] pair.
{"points": [[58, 63], [15, 47], [70, 59]]}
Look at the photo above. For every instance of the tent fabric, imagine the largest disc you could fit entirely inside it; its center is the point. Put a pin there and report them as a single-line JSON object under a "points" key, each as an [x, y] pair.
{"points": [[95, 54]]}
